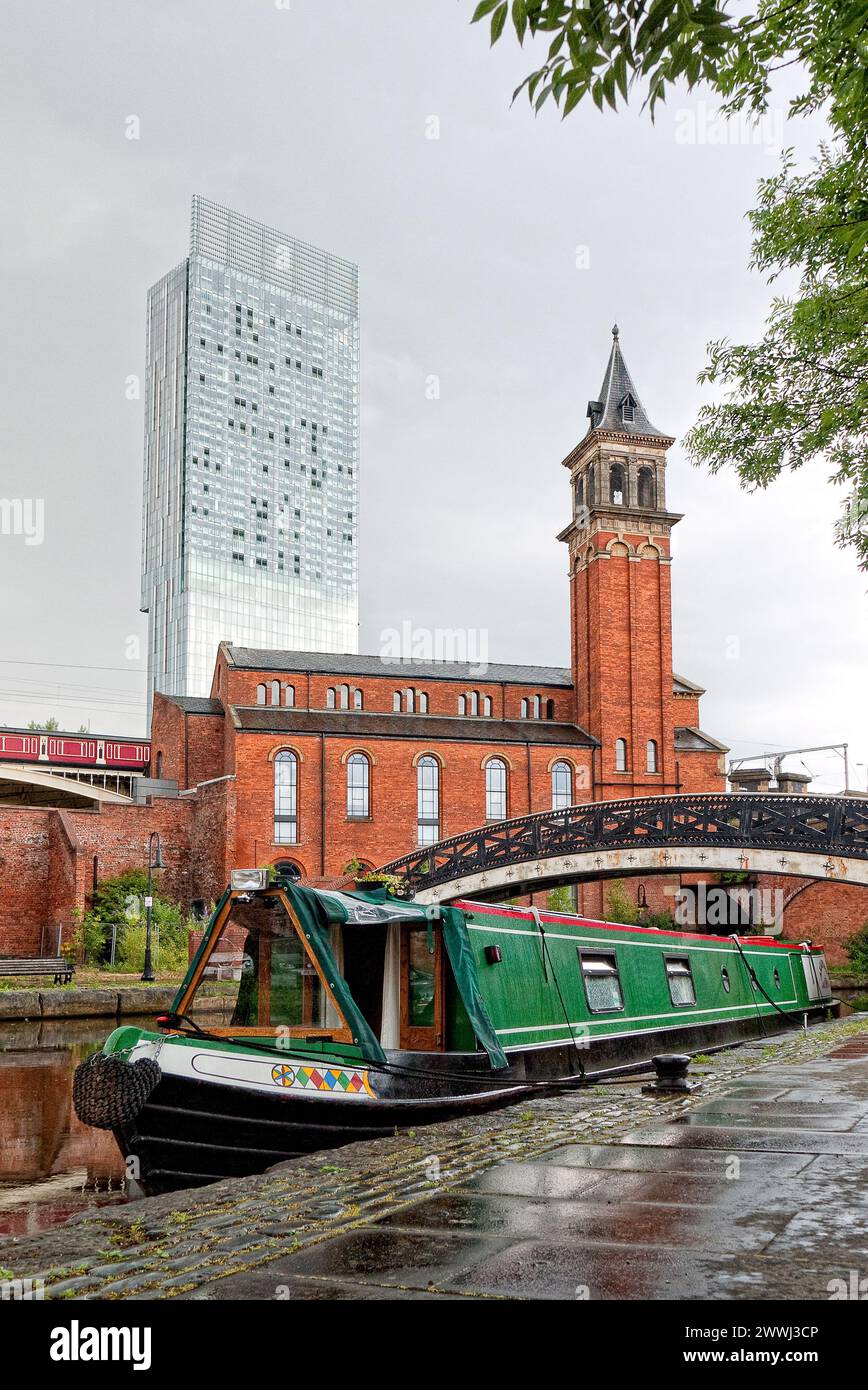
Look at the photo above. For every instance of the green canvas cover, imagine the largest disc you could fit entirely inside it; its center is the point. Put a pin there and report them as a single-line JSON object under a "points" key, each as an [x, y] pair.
{"points": [[317, 908], [314, 917], [365, 908]]}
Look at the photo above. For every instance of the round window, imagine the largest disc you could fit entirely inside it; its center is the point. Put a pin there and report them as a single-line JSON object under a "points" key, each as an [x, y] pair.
{"points": [[724, 975]]}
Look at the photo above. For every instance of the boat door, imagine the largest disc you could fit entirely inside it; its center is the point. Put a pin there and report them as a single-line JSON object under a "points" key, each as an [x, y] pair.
{"points": [[421, 990], [816, 976]]}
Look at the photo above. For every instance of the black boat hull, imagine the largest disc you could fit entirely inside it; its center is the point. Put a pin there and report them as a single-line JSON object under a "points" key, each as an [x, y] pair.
{"points": [[194, 1132]]}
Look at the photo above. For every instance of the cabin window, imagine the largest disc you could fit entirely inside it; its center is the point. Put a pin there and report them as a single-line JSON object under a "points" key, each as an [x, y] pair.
{"points": [[428, 800], [286, 799], [724, 979], [777, 978], [270, 979], [495, 789], [358, 787], [681, 990], [602, 982], [562, 786]]}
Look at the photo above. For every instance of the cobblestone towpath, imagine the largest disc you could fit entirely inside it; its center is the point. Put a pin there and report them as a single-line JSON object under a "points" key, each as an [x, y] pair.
{"points": [[756, 1185]]}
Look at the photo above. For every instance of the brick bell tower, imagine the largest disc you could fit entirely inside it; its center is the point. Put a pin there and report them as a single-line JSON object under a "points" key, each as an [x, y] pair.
{"points": [[620, 597]]}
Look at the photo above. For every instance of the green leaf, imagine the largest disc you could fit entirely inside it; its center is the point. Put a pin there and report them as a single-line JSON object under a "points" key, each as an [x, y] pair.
{"points": [[482, 9], [519, 18], [498, 20]]}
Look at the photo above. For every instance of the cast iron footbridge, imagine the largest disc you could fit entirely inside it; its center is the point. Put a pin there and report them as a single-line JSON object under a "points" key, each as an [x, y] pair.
{"points": [[821, 837]]}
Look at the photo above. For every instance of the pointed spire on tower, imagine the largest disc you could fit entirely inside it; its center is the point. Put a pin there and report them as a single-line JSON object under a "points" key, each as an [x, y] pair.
{"points": [[619, 407]]}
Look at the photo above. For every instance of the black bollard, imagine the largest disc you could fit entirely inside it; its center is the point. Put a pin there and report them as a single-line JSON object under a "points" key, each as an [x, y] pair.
{"points": [[671, 1069]]}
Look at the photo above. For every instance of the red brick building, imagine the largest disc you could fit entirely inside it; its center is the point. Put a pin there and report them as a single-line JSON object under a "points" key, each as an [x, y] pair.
{"points": [[319, 761], [364, 759]]}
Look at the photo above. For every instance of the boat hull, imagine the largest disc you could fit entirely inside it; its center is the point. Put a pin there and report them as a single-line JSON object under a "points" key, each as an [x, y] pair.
{"points": [[196, 1131]]}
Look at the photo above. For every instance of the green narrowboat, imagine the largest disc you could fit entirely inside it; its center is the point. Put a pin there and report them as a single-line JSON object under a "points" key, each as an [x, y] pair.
{"points": [[311, 1018]]}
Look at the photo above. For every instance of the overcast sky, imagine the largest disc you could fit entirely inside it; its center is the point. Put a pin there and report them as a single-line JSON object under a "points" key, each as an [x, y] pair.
{"points": [[495, 257]]}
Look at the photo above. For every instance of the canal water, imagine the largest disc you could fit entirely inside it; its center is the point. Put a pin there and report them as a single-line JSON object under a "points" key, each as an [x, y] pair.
{"points": [[51, 1165]]}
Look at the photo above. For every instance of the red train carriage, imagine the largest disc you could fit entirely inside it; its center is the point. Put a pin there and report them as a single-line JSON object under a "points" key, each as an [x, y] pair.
{"points": [[74, 750]]}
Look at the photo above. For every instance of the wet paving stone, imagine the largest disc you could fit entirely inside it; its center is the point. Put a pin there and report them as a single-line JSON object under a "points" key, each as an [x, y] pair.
{"points": [[793, 1140], [652, 1159], [406, 1259], [592, 1194], [624, 1223]]}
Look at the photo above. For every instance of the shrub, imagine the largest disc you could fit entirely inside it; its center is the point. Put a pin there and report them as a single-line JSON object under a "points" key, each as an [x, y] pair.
{"points": [[857, 949], [620, 906], [561, 899], [120, 902]]}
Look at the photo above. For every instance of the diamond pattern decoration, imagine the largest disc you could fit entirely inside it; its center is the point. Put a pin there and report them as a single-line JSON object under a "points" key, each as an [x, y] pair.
{"points": [[332, 1079]]}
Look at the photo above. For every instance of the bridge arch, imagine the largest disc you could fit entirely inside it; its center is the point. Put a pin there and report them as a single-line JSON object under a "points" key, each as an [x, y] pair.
{"points": [[824, 838]]}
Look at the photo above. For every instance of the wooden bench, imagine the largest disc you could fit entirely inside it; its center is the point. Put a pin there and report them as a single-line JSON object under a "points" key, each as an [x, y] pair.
{"points": [[229, 961], [62, 970]]}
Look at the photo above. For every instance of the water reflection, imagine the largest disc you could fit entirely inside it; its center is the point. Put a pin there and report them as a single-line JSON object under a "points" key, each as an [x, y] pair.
{"points": [[51, 1165]]}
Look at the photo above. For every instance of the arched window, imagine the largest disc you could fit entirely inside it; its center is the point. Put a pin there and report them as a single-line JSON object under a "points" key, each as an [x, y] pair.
{"points": [[562, 786], [330, 698], [286, 868], [358, 787], [474, 702], [410, 701], [524, 709], [550, 709], [428, 800], [260, 694], [620, 755], [616, 484], [647, 488], [495, 789], [358, 698], [286, 799], [486, 706], [537, 707], [396, 702], [462, 705], [289, 696], [159, 771], [423, 702], [579, 493], [275, 692], [344, 693], [651, 763], [591, 486]]}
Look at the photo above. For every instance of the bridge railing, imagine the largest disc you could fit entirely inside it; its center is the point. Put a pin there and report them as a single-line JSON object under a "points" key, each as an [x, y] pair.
{"points": [[828, 825]]}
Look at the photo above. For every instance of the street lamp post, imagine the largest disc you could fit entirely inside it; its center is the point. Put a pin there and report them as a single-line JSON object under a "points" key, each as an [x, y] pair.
{"points": [[155, 861]]}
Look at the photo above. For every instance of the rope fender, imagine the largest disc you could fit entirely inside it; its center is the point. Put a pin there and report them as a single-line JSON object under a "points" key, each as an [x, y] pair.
{"points": [[110, 1091]]}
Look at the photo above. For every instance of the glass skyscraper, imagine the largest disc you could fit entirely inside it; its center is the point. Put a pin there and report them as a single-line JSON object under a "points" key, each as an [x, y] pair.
{"points": [[251, 451]]}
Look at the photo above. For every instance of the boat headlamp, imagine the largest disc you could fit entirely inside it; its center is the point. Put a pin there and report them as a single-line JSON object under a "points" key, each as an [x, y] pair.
{"points": [[248, 880]]}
